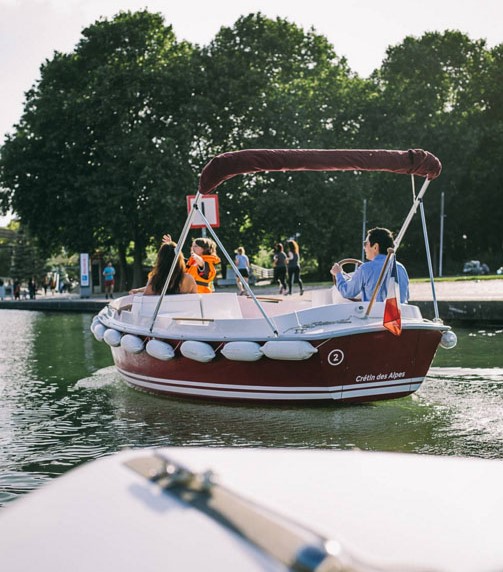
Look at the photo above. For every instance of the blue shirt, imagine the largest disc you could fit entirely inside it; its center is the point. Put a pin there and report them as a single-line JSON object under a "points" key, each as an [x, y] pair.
{"points": [[109, 273], [365, 279]]}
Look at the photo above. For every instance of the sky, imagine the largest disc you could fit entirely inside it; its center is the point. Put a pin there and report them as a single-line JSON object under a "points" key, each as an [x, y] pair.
{"points": [[360, 30]]}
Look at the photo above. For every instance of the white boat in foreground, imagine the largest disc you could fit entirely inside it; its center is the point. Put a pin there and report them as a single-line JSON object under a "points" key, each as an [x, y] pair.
{"points": [[253, 510], [315, 348]]}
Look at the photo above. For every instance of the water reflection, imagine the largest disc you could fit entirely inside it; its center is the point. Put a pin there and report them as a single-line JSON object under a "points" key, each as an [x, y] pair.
{"points": [[62, 403]]}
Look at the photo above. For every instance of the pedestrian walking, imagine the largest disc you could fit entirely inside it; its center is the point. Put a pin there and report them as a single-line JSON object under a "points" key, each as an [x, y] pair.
{"points": [[109, 277], [294, 266], [279, 267]]}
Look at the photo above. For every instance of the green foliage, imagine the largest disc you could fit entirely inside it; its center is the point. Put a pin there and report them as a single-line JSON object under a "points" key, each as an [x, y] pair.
{"points": [[101, 144], [27, 260], [113, 134], [434, 92], [270, 84]]}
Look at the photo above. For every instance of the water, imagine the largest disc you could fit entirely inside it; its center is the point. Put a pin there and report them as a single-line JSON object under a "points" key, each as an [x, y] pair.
{"points": [[61, 403]]}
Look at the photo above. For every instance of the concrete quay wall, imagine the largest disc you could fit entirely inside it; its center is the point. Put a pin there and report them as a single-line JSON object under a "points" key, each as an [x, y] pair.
{"points": [[469, 312]]}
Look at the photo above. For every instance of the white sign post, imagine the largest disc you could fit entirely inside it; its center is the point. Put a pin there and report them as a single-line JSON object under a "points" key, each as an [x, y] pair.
{"points": [[85, 275]]}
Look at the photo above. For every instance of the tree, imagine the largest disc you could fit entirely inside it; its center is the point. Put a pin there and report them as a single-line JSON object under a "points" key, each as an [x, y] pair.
{"points": [[270, 84], [101, 143], [432, 93], [27, 260]]}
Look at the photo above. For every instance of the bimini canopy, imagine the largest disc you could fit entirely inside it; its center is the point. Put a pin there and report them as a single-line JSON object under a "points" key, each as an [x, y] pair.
{"points": [[228, 165]]}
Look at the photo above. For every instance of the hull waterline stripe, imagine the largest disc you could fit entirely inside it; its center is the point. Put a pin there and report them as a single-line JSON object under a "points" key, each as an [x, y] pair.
{"points": [[327, 396], [266, 388], [256, 392]]}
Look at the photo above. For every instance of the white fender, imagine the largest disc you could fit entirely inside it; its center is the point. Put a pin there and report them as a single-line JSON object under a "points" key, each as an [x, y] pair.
{"points": [[288, 350], [99, 331], [112, 337], [242, 351], [95, 321], [448, 340], [132, 344], [159, 350], [198, 351]]}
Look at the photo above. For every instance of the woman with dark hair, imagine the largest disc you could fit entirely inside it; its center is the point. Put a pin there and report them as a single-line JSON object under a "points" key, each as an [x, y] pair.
{"points": [[180, 283], [279, 266], [294, 266]]}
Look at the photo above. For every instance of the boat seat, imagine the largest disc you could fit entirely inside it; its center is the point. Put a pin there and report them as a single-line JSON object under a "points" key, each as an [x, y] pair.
{"points": [[326, 296], [223, 306], [176, 306]]}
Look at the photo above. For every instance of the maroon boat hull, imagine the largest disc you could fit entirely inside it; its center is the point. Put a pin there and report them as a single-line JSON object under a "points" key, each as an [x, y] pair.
{"points": [[352, 368]]}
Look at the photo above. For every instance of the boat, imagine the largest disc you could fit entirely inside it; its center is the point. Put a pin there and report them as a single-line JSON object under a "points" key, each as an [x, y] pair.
{"points": [[256, 510], [316, 348]]}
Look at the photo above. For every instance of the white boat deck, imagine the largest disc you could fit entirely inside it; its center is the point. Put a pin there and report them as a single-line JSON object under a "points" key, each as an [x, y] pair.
{"points": [[385, 511], [227, 315]]}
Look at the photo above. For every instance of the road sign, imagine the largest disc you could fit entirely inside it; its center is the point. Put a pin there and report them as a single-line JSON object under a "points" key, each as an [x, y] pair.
{"points": [[209, 207]]}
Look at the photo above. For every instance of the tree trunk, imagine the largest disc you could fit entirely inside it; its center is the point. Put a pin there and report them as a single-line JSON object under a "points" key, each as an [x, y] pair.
{"points": [[123, 270], [139, 254]]}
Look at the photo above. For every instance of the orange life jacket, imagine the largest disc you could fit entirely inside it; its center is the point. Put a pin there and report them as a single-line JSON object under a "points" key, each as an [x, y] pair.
{"points": [[204, 277]]}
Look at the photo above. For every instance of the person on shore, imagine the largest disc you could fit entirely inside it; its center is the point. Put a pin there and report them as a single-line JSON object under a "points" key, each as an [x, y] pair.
{"points": [[45, 284], [32, 288], [53, 283], [279, 267], [243, 265], [363, 281], [16, 288], [10, 289], [180, 283], [109, 277], [294, 266], [2, 290]]}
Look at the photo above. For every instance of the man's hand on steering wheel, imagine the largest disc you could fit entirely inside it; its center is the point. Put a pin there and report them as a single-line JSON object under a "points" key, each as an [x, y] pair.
{"points": [[339, 266]]}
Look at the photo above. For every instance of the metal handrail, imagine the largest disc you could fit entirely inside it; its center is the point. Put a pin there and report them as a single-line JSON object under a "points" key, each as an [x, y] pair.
{"points": [[245, 284]]}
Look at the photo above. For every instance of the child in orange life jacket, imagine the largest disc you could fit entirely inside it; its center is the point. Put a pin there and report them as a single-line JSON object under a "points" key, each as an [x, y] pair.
{"points": [[201, 264]]}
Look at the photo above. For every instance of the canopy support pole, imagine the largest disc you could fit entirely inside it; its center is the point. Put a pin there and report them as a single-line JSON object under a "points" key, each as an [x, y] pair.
{"points": [[236, 271], [178, 249], [430, 267], [411, 214], [379, 281]]}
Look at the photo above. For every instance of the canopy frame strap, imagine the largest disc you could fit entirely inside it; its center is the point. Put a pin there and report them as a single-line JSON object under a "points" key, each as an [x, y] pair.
{"points": [[417, 202], [178, 249], [245, 284], [430, 266], [379, 281], [411, 214]]}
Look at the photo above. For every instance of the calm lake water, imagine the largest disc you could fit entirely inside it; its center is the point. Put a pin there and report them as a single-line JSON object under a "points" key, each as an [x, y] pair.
{"points": [[62, 403]]}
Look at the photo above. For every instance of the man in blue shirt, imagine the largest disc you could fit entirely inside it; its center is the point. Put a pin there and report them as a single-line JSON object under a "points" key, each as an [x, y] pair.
{"points": [[365, 278]]}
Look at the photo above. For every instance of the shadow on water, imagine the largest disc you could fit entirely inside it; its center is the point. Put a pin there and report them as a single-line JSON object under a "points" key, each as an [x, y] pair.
{"points": [[62, 403]]}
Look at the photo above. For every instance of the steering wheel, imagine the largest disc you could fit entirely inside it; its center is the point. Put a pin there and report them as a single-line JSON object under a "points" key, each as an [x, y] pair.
{"points": [[345, 261]]}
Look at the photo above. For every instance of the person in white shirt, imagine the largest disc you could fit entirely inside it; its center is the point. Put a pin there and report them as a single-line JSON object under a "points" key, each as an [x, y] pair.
{"points": [[243, 264]]}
